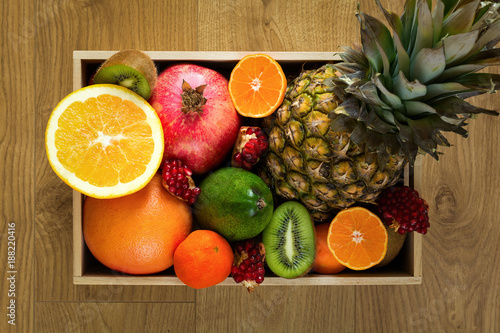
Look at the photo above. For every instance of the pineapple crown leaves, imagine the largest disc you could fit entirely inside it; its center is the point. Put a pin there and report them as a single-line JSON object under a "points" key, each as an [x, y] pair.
{"points": [[408, 86]]}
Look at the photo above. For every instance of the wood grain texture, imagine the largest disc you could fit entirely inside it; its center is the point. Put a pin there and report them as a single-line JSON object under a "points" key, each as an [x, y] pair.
{"points": [[461, 246], [64, 26], [17, 142], [276, 309], [83, 317], [275, 25], [461, 249], [459, 293]]}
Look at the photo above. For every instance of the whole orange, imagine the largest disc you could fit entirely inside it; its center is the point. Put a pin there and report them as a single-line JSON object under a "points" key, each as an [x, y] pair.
{"points": [[203, 259], [137, 233], [325, 262]]}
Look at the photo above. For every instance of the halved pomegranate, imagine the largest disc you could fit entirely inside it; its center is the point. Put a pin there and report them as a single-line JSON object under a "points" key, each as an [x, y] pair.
{"points": [[178, 181], [248, 268], [250, 145]]}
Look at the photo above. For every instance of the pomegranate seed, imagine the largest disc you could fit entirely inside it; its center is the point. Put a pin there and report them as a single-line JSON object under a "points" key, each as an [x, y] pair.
{"points": [[253, 252], [250, 146], [247, 246], [248, 267], [238, 158], [177, 180]]}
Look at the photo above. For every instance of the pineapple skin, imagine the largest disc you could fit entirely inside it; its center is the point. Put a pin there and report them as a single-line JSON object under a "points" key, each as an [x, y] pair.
{"points": [[311, 163], [342, 137]]}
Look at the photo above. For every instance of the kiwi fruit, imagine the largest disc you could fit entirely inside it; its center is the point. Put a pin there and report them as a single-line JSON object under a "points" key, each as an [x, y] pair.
{"points": [[395, 242], [289, 241], [129, 68]]}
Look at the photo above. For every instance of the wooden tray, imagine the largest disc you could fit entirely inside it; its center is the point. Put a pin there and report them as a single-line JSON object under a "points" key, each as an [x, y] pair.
{"points": [[404, 270]]}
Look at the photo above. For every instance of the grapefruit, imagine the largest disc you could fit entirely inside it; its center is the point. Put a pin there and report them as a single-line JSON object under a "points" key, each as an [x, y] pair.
{"points": [[137, 233]]}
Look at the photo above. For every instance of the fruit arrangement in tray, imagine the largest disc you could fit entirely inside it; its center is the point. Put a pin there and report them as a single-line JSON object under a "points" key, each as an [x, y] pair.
{"points": [[265, 172]]}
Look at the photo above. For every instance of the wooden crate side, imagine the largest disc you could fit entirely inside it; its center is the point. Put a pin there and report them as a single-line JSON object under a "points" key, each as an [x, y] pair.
{"points": [[412, 251], [417, 243], [215, 56], [313, 280], [77, 72], [78, 253], [79, 260]]}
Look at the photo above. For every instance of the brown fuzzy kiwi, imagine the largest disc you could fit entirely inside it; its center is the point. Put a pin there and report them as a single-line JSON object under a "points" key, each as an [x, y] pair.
{"points": [[130, 68], [395, 242]]}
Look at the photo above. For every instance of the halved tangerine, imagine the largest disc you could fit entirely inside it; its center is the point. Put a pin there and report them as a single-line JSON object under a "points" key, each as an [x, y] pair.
{"points": [[357, 238], [257, 85], [104, 141]]}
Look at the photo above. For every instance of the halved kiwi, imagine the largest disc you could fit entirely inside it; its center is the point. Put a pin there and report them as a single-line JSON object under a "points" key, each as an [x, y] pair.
{"points": [[129, 68], [289, 241]]}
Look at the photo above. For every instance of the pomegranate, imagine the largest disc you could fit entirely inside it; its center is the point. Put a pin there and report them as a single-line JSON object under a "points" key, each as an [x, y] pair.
{"points": [[250, 145], [248, 267], [403, 209], [177, 180], [200, 123]]}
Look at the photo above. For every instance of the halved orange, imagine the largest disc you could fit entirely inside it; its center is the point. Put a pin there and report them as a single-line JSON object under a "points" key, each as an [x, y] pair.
{"points": [[357, 238], [257, 85], [104, 141]]}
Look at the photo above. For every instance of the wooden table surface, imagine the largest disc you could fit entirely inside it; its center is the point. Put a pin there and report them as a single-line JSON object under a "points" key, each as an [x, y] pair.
{"points": [[461, 253]]}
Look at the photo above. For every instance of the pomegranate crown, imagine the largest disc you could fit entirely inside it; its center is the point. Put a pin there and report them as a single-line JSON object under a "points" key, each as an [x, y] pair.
{"points": [[192, 99]]}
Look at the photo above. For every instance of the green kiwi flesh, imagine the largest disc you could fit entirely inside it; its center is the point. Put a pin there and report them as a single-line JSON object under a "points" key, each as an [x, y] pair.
{"points": [[125, 76], [289, 241]]}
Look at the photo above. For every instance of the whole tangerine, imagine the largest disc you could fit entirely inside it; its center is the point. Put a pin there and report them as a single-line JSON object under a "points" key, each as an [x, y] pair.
{"points": [[325, 262], [137, 233], [203, 259]]}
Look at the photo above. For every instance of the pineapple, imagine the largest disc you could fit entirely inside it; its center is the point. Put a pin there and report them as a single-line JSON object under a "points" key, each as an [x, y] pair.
{"points": [[345, 131]]}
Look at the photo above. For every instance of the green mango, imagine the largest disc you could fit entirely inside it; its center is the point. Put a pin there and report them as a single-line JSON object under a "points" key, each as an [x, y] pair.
{"points": [[235, 203]]}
